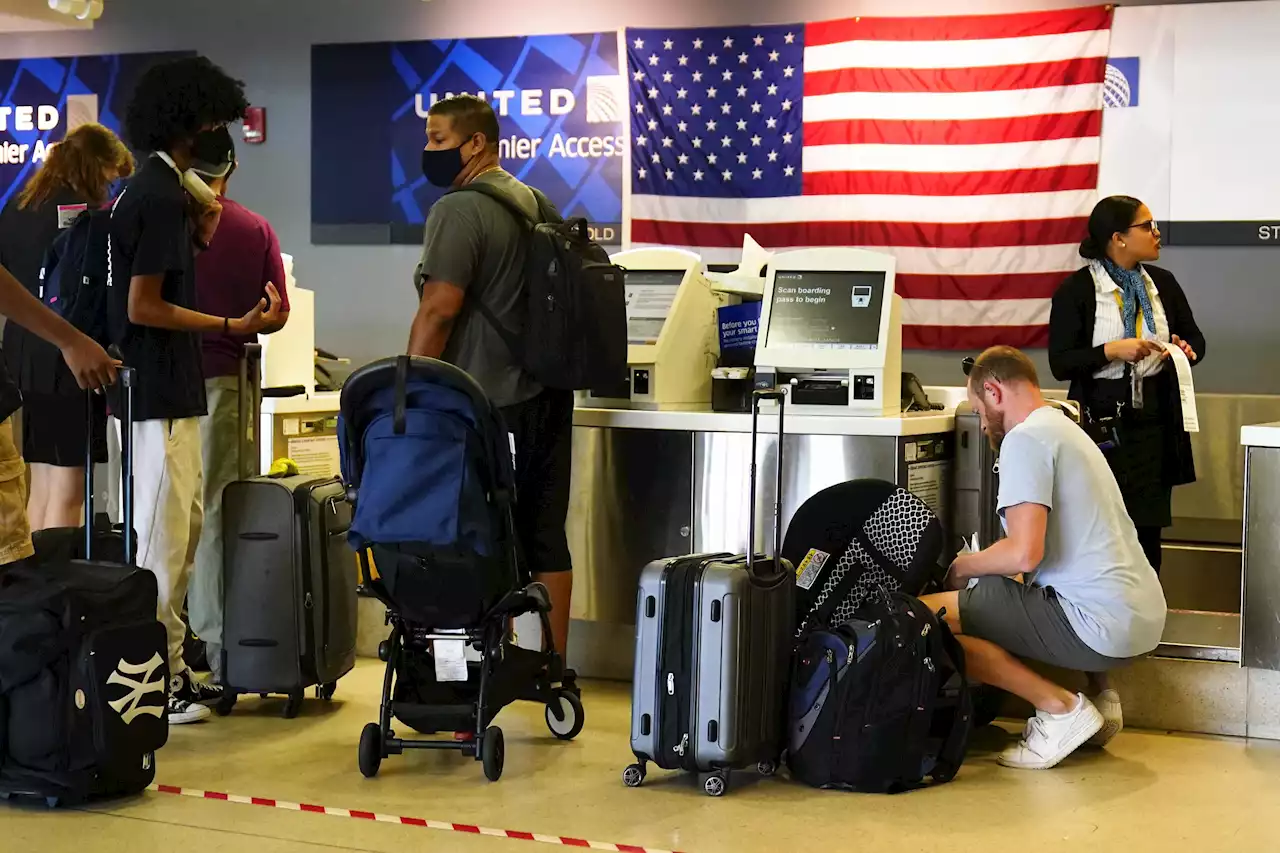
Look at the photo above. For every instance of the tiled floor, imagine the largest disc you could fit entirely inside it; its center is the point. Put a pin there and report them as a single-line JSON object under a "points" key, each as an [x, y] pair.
{"points": [[1150, 792]]}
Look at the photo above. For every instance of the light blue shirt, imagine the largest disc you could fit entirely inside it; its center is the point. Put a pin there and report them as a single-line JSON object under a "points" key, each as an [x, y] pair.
{"points": [[1092, 557]]}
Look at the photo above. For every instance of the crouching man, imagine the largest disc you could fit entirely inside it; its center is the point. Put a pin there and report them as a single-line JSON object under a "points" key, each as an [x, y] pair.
{"points": [[1090, 602]]}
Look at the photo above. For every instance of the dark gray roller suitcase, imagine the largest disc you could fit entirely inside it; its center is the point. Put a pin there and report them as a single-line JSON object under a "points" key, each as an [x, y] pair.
{"points": [[713, 647], [289, 590]]}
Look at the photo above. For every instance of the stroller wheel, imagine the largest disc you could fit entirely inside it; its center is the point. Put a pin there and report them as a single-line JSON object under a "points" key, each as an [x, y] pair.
{"points": [[568, 708], [370, 750], [493, 753]]}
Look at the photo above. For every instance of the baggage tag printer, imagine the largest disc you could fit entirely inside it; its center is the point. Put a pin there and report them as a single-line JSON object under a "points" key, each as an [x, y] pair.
{"points": [[672, 336], [831, 332]]}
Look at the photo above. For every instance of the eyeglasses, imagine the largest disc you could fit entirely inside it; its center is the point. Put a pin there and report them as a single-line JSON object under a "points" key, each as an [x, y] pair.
{"points": [[1149, 226], [967, 365]]}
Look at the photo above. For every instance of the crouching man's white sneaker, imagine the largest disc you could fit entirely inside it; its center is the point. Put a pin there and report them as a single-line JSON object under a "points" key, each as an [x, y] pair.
{"points": [[1108, 704], [1049, 738]]}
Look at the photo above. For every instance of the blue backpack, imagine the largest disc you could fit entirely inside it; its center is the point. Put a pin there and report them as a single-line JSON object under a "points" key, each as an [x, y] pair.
{"points": [[76, 273]]}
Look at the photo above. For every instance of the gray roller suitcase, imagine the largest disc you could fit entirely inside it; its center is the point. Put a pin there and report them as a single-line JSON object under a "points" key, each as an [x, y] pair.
{"points": [[713, 647], [289, 588]]}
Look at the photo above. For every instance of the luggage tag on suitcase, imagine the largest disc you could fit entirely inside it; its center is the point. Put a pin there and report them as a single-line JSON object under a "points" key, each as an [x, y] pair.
{"points": [[450, 658]]}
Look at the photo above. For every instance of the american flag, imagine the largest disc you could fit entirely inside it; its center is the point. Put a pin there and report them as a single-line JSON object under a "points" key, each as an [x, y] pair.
{"points": [[967, 147]]}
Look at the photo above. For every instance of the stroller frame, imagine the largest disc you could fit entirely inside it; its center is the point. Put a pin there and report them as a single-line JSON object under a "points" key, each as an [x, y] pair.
{"points": [[506, 672]]}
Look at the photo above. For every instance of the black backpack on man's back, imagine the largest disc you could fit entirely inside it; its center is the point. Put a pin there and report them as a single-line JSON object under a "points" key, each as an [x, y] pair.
{"points": [[575, 338]]}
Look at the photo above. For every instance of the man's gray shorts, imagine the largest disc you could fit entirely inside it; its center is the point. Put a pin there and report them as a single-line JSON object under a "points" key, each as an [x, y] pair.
{"points": [[1028, 622]]}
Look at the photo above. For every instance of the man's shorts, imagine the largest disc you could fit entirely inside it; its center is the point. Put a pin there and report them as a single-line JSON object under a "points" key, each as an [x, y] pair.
{"points": [[1028, 622], [15, 532], [542, 431]]}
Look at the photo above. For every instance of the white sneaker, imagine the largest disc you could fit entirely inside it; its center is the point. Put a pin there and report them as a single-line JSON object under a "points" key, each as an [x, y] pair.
{"points": [[182, 712], [1108, 704], [1049, 738]]}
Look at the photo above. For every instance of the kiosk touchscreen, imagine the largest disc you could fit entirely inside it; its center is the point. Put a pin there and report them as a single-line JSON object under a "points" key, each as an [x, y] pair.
{"points": [[831, 332], [671, 333]]}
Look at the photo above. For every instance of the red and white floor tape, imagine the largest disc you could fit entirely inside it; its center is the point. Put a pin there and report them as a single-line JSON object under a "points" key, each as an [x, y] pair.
{"points": [[563, 841]]}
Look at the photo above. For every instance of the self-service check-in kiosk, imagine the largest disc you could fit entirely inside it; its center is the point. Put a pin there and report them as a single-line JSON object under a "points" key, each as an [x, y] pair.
{"points": [[831, 332], [671, 333]]}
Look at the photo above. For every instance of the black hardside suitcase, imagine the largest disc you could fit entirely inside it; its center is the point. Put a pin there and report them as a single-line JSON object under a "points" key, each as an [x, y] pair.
{"points": [[713, 645], [84, 671], [289, 589]]}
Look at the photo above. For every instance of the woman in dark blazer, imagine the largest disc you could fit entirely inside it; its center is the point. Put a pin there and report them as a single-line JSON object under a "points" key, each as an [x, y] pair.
{"points": [[1106, 330]]}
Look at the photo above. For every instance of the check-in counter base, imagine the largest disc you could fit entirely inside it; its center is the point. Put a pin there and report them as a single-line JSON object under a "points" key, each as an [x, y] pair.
{"points": [[648, 485]]}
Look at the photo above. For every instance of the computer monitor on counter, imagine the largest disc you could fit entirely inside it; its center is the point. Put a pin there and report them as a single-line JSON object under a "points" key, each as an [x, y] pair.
{"points": [[672, 339], [831, 332]]}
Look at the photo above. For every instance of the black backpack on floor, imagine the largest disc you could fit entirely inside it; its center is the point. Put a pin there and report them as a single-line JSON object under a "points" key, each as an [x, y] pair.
{"points": [[881, 703], [575, 337]]}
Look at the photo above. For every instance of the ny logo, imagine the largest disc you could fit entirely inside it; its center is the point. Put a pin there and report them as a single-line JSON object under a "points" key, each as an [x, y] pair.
{"points": [[130, 706]]}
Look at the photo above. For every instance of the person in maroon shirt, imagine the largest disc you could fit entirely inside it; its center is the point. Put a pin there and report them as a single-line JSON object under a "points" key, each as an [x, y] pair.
{"points": [[231, 277]]}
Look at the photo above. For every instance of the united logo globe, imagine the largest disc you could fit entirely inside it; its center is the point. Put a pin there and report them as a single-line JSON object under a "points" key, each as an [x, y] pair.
{"points": [[1115, 89]]}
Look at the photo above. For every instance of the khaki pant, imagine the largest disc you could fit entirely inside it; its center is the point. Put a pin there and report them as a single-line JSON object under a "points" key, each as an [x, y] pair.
{"points": [[168, 514], [15, 532], [220, 437]]}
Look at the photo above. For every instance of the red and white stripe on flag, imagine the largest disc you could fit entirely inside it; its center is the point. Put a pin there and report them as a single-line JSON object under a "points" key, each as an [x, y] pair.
{"points": [[967, 147]]}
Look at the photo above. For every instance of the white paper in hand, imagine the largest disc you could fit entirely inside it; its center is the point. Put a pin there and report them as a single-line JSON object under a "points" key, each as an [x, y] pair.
{"points": [[1186, 387], [451, 659], [970, 546]]}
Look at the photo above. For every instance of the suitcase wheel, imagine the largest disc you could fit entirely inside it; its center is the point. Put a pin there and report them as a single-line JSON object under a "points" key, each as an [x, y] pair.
{"points": [[767, 768], [326, 691], [633, 776], [226, 703], [492, 753], [371, 750], [716, 785], [565, 716], [294, 705]]}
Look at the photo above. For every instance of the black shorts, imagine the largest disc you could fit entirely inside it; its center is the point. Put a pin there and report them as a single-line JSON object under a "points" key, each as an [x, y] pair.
{"points": [[542, 430], [54, 429]]}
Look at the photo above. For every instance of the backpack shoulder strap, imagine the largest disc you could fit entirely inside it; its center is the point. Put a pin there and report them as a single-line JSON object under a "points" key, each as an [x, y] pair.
{"points": [[503, 199], [473, 294]]}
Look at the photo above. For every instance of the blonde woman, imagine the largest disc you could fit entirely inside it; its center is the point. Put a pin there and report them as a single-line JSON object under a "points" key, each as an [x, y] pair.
{"points": [[78, 172]]}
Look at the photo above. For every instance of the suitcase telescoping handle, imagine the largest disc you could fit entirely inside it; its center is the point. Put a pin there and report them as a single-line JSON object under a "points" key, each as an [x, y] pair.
{"points": [[250, 439], [127, 379], [756, 398]]}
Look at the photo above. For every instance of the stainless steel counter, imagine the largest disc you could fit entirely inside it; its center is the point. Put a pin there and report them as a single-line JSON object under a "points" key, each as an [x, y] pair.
{"points": [[648, 485]]}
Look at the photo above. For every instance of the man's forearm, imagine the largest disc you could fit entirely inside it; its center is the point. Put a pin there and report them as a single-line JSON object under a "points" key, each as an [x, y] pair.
{"points": [[430, 333], [17, 303], [1004, 558], [161, 314]]}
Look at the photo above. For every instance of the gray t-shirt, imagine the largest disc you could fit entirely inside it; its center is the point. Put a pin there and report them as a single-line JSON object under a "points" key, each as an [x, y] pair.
{"points": [[475, 243], [1092, 558]]}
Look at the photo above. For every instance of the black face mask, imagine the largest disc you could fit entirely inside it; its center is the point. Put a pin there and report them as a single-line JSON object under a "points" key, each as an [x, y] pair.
{"points": [[442, 165], [212, 146]]}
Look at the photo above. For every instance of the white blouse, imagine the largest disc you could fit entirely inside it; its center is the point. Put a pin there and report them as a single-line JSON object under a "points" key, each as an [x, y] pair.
{"points": [[1108, 323]]}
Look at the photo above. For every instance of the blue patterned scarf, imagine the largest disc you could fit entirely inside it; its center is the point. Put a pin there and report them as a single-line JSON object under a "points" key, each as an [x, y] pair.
{"points": [[1133, 295]]}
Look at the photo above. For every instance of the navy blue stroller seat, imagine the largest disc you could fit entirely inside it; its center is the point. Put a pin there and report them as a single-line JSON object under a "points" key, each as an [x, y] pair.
{"points": [[427, 464]]}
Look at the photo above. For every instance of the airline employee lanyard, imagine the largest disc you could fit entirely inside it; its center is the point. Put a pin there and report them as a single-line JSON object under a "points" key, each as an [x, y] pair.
{"points": [[1135, 380]]}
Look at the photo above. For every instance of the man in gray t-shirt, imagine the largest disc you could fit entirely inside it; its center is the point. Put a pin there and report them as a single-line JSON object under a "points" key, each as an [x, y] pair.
{"points": [[1069, 585], [471, 282]]}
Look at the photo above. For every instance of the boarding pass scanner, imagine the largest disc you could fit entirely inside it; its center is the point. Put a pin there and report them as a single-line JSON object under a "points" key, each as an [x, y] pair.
{"points": [[831, 332]]}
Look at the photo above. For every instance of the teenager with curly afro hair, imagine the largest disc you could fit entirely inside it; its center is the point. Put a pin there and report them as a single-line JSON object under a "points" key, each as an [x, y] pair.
{"points": [[176, 100], [179, 112]]}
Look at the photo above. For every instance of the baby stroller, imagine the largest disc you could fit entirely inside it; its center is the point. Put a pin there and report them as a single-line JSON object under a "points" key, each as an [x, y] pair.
{"points": [[427, 464]]}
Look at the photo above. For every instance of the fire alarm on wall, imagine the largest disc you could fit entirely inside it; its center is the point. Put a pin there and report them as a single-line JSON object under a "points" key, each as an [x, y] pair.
{"points": [[255, 125]]}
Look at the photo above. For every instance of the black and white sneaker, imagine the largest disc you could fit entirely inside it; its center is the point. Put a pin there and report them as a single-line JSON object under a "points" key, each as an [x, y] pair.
{"points": [[182, 712], [189, 699]]}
